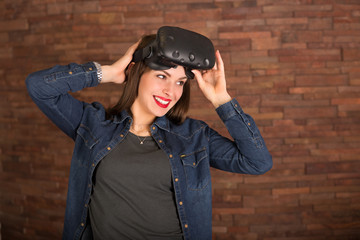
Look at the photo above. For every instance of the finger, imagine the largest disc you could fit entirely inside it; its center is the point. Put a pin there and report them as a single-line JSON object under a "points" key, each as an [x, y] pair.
{"points": [[199, 78], [219, 61], [197, 73], [132, 49], [124, 61], [215, 65]]}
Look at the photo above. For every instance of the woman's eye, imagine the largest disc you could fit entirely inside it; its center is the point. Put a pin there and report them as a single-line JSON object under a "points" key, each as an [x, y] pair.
{"points": [[161, 76], [180, 83]]}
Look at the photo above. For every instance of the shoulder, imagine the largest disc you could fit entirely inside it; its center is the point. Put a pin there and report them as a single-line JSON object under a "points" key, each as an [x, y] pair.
{"points": [[95, 109], [97, 112], [188, 128]]}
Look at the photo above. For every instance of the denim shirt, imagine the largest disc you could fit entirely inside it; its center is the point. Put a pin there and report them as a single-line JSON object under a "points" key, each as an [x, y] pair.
{"points": [[192, 148]]}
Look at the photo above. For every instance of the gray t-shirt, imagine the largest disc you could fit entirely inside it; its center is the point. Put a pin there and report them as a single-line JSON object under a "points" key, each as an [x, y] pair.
{"points": [[133, 196]]}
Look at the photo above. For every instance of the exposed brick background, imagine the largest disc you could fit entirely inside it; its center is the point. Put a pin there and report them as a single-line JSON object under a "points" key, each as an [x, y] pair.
{"points": [[293, 65]]}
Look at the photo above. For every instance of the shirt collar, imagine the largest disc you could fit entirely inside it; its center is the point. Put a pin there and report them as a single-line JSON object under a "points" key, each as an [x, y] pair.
{"points": [[123, 116], [161, 122]]}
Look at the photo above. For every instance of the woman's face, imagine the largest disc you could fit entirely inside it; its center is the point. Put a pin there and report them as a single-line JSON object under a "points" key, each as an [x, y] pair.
{"points": [[159, 91]]}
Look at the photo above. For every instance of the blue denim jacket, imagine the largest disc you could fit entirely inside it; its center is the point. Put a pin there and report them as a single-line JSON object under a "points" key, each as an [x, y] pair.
{"points": [[192, 148]]}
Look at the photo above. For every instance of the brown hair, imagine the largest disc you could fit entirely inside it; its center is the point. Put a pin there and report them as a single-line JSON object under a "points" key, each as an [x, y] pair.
{"points": [[176, 114]]}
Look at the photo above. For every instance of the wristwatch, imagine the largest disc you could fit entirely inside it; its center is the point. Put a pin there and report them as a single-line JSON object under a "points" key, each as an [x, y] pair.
{"points": [[99, 71]]}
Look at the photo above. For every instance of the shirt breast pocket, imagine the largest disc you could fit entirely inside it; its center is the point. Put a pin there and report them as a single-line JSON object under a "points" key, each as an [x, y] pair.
{"points": [[197, 169], [89, 139]]}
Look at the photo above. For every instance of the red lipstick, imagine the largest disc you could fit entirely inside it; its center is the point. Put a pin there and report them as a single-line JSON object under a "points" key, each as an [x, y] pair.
{"points": [[162, 102]]}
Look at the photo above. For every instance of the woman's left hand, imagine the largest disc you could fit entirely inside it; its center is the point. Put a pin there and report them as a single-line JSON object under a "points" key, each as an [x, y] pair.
{"points": [[116, 72], [212, 82]]}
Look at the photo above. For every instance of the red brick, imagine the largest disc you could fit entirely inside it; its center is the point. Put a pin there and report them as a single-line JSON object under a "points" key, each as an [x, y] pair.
{"points": [[14, 25], [266, 201], [238, 229], [232, 35], [351, 54], [306, 58], [240, 11], [290, 191], [309, 36], [321, 80], [351, 25], [284, 179], [286, 21], [302, 8], [320, 14], [335, 189], [320, 23], [265, 43], [219, 229], [6, 53], [192, 15], [247, 54], [291, 100], [319, 70], [278, 229], [86, 7], [302, 90], [59, 8], [310, 112], [4, 37], [236, 59], [349, 89], [354, 79], [345, 101], [237, 211]]}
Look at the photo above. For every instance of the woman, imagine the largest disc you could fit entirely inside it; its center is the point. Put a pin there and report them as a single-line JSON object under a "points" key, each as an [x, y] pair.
{"points": [[141, 170]]}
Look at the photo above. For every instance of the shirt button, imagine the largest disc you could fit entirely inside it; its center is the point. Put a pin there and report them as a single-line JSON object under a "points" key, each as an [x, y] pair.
{"points": [[186, 226], [170, 155], [153, 128], [180, 203], [176, 179]]}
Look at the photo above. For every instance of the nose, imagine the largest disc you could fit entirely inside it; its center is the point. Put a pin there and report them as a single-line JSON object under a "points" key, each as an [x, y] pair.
{"points": [[168, 89]]}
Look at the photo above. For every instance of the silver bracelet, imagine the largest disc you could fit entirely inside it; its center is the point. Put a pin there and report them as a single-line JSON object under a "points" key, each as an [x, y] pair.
{"points": [[99, 71]]}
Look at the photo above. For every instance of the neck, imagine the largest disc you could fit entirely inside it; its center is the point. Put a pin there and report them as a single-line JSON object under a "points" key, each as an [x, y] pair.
{"points": [[140, 128], [141, 122], [143, 133]]}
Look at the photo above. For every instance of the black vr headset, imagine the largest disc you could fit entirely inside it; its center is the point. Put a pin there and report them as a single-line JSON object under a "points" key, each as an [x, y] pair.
{"points": [[176, 46]]}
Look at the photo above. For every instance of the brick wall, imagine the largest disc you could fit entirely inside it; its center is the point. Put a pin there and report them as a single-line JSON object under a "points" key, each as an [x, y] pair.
{"points": [[293, 65]]}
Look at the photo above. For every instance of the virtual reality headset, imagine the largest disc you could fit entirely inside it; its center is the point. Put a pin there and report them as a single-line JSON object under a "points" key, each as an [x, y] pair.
{"points": [[175, 46]]}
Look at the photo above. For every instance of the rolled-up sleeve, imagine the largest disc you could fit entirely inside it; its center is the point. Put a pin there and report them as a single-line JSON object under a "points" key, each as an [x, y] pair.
{"points": [[50, 89], [247, 152]]}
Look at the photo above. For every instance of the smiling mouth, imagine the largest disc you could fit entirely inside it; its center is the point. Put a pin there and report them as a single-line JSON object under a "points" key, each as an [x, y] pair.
{"points": [[162, 102]]}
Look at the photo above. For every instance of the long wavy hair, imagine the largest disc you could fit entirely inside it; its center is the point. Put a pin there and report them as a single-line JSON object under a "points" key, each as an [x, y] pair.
{"points": [[177, 114]]}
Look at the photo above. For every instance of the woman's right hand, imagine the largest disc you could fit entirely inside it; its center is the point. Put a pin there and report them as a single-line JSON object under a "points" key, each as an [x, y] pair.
{"points": [[115, 73]]}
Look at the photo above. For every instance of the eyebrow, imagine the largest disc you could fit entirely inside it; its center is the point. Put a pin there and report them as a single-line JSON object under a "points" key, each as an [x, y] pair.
{"points": [[169, 75]]}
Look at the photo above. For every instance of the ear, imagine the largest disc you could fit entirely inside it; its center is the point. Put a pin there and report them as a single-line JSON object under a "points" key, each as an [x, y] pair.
{"points": [[129, 67]]}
